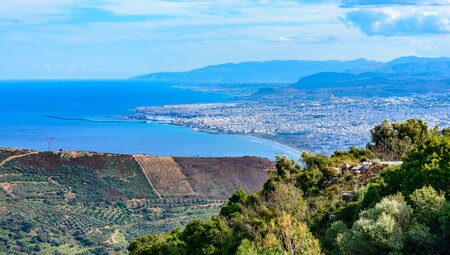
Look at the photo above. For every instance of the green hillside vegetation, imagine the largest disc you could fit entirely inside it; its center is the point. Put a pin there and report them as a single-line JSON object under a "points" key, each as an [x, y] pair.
{"points": [[335, 205], [93, 203]]}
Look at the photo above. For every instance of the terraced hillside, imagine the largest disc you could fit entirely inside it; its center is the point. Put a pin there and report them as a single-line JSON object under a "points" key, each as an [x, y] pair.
{"points": [[94, 203]]}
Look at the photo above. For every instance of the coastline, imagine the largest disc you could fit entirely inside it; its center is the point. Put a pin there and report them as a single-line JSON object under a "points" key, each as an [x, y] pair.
{"points": [[139, 139], [282, 143], [202, 130]]}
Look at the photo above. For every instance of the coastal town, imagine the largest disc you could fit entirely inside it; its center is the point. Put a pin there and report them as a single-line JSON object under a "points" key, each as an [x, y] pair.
{"points": [[320, 126]]}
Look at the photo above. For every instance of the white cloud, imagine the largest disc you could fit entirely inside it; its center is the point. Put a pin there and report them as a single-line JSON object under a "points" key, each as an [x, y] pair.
{"points": [[36, 11], [303, 39], [223, 20], [394, 2], [392, 22], [279, 39], [145, 7]]}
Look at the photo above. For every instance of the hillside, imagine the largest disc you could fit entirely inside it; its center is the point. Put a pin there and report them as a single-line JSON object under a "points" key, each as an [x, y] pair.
{"points": [[279, 71], [83, 202], [401, 76]]}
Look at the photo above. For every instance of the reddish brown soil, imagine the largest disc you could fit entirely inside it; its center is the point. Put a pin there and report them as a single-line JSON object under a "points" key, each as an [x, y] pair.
{"points": [[165, 175], [220, 177], [44, 160]]}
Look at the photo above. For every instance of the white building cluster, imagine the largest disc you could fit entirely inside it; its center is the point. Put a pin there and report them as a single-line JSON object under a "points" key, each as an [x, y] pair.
{"points": [[313, 125]]}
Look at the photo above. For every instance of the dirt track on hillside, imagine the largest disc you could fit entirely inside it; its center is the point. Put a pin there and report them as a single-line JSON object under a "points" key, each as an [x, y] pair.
{"points": [[16, 156]]}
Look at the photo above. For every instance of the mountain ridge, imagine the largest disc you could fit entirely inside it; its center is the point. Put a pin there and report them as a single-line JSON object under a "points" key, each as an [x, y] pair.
{"points": [[405, 71], [291, 71], [274, 71]]}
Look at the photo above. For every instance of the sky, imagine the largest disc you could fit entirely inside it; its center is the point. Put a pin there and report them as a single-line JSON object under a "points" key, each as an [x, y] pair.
{"points": [[116, 39]]}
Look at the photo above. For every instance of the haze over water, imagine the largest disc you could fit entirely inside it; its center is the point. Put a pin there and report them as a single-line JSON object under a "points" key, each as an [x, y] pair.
{"points": [[24, 106]]}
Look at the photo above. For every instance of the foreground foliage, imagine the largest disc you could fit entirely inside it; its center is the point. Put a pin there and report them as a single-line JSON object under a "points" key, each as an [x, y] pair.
{"points": [[394, 226], [335, 205]]}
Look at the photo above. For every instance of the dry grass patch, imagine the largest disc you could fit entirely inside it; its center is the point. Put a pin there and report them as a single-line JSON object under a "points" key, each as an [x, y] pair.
{"points": [[165, 175]]}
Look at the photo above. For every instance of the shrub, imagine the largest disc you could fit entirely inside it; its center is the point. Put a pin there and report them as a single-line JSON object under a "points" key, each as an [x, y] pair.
{"points": [[393, 227], [378, 230], [391, 141], [353, 154], [235, 203], [285, 236], [427, 202], [168, 244], [333, 231], [427, 164]]}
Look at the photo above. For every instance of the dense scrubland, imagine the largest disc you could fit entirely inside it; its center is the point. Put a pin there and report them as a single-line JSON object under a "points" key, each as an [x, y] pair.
{"points": [[352, 202]]}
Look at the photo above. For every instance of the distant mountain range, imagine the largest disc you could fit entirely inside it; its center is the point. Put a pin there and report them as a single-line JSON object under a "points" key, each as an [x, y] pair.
{"points": [[400, 77], [360, 77], [278, 71], [307, 74], [413, 74]]}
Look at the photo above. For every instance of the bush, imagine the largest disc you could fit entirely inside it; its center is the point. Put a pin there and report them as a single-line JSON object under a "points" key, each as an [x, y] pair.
{"points": [[352, 155], [235, 203], [391, 141], [427, 164], [427, 202], [285, 236], [168, 244], [394, 227], [379, 230], [444, 222], [333, 231]]}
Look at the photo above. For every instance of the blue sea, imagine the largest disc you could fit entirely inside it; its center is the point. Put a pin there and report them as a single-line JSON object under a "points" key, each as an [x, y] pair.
{"points": [[25, 105]]}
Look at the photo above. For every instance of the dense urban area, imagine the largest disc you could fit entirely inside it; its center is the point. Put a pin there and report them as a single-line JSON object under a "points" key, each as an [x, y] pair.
{"points": [[321, 126]]}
